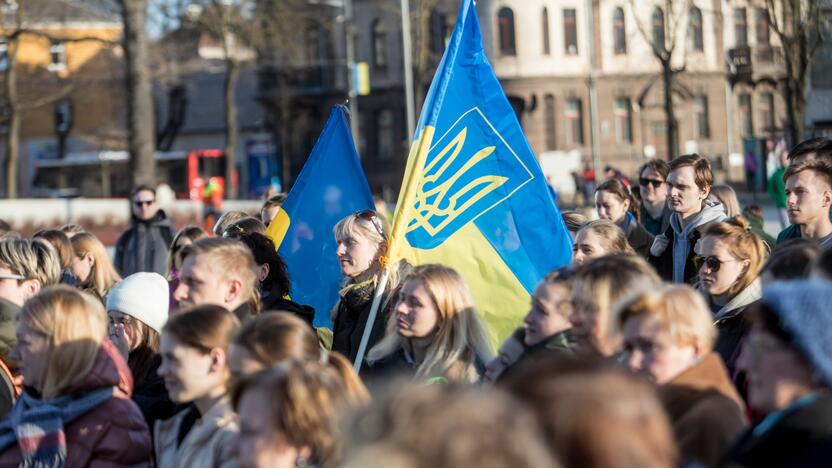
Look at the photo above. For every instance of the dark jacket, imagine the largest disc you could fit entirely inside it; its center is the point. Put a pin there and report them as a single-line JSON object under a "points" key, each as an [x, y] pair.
{"points": [[353, 310], [800, 436], [275, 302], [732, 325], [111, 434], [652, 225], [705, 410], [637, 236], [152, 397], [791, 232], [144, 247], [8, 339], [664, 262], [561, 342]]}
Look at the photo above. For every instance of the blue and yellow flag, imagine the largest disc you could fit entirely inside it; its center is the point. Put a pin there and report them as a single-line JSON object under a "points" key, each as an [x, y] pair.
{"points": [[474, 196], [330, 187]]}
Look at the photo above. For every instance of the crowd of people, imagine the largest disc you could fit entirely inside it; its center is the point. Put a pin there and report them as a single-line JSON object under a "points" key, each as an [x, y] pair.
{"points": [[679, 336]]}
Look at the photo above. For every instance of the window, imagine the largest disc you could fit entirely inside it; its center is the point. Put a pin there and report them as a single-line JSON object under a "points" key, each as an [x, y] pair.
{"points": [[505, 26], [623, 120], [697, 42], [702, 122], [313, 46], [658, 28], [58, 52], [379, 50], [761, 26], [438, 31], [4, 54], [385, 134], [574, 122], [549, 124], [545, 29], [767, 111], [570, 31], [619, 31], [746, 123], [740, 28]]}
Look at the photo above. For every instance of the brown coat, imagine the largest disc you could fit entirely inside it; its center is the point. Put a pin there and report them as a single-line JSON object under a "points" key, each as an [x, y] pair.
{"points": [[706, 411], [211, 442], [113, 433]]}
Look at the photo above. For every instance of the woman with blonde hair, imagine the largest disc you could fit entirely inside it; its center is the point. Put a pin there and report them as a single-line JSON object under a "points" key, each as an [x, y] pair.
{"points": [[194, 349], [728, 197], [290, 413], [435, 332], [275, 337], [615, 202], [75, 409], [362, 243], [669, 338], [598, 238], [92, 266], [596, 289], [730, 257]]}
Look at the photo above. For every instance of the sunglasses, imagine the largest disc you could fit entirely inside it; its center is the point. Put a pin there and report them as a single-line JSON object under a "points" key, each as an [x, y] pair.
{"points": [[644, 182], [712, 262], [141, 203], [12, 277], [371, 216]]}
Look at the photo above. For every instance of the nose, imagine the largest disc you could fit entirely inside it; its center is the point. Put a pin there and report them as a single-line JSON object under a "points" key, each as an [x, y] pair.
{"points": [[791, 199], [528, 318], [181, 292], [634, 360], [578, 257], [341, 250], [401, 308]]}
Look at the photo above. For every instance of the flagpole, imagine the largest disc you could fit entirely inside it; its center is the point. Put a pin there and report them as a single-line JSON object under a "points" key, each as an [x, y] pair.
{"points": [[371, 319]]}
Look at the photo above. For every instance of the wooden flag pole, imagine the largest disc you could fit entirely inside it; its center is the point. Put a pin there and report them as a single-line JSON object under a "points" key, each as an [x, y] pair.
{"points": [[371, 319]]}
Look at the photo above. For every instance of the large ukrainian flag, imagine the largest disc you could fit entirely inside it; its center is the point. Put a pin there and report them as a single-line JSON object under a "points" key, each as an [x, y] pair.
{"points": [[473, 195], [330, 187]]}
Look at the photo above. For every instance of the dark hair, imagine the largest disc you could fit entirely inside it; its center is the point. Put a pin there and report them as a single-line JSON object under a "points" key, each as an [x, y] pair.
{"points": [[4, 227], [703, 176], [278, 336], [264, 252], [791, 259], [60, 241], [194, 233], [763, 315], [244, 226], [145, 358], [276, 200], [819, 167], [657, 165], [823, 263], [203, 327], [821, 147], [622, 192], [143, 188]]}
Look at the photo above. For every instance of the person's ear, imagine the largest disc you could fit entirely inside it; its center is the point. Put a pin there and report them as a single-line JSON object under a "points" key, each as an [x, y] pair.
{"points": [[827, 198], [218, 360], [32, 287], [264, 272], [235, 290], [704, 192], [89, 259]]}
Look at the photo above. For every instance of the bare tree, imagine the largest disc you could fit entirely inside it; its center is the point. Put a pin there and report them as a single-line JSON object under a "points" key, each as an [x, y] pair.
{"points": [[799, 26], [666, 39], [141, 139]]}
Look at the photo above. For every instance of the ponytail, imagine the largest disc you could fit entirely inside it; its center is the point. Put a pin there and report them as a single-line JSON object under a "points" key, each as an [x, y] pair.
{"points": [[622, 192]]}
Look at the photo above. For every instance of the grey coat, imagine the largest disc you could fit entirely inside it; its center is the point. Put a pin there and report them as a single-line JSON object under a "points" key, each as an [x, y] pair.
{"points": [[144, 247]]}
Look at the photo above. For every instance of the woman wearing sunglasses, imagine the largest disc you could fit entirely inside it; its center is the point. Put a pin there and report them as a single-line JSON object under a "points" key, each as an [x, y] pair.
{"points": [[729, 259], [615, 202], [362, 242]]}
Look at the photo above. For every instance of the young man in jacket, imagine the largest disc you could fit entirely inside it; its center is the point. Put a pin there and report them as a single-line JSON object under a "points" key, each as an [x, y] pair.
{"points": [[809, 198], [689, 184], [144, 246]]}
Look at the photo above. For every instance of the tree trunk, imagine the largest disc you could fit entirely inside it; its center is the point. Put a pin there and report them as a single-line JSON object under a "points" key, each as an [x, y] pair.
{"points": [[12, 146], [140, 118], [669, 112], [232, 72], [285, 147]]}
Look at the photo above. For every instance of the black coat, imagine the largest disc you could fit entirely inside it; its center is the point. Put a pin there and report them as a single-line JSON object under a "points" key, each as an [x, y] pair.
{"points": [[151, 397], [274, 302], [640, 240], [802, 438], [664, 262], [353, 310], [144, 247]]}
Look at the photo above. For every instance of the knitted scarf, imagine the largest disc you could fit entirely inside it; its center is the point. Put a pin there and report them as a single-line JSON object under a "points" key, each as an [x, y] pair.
{"points": [[38, 426]]}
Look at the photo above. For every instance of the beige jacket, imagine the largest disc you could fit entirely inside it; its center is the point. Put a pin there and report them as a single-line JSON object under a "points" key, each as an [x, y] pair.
{"points": [[211, 442]]}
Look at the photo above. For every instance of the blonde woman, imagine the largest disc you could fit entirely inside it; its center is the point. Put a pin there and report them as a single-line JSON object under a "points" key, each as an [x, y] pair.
{"points": [[92, 266], [728, 197], [436, 333], [729, 258], [75, 409], [598, 238], [596, 289], [669, 338], [362, 242]]}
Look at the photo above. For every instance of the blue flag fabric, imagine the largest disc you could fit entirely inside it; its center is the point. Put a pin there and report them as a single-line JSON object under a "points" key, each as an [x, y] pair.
{"points": [[330, 187], [474, 196]]}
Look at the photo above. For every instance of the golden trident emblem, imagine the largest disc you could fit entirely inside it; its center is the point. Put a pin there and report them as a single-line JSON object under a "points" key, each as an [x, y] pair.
{"points": [[434, 208]]}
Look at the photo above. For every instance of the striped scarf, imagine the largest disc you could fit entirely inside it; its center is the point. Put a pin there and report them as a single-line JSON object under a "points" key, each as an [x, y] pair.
{"points": [[38, 426]]}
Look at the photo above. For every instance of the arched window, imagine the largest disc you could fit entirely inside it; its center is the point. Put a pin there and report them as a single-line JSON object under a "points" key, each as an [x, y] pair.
{"points": [[697, 42], [379, 44], [505, 26], [658, 28], [545, 29], [619, 31], [313, 45]]}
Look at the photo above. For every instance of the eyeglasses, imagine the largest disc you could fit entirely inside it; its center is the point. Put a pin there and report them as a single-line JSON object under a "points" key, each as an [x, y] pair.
{"points": [[644, 182], [141, 203], [12, 277], [371, 216], [713, 263]]}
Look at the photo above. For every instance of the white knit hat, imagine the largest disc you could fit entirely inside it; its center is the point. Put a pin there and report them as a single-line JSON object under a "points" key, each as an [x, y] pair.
{"points": [[143, 296]]}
